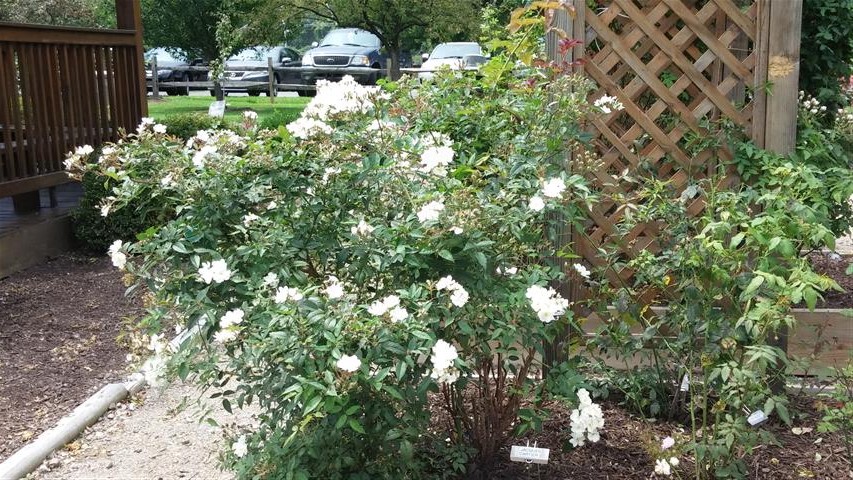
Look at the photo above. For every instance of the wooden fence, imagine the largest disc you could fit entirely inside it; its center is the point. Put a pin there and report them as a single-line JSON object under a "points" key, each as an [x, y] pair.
{"points": [[678, 66], [65, 87]]}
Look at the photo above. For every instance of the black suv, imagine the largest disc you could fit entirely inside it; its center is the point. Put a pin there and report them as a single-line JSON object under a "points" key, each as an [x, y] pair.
{"points": [[347, 51]]}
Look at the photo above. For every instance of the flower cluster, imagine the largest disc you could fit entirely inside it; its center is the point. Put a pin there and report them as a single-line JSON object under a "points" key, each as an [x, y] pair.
{"points": [[546, 302], [608, 104], [363, 229], [582, 270], [586, 420], [228, 329], [214, 272], [551, 188], [663, 466], [336, 98], [435, 160], [811, 104], [442, 358], [283, 294], [76, 158], [240, 449], [118, 257], [458, 295], [250, 119], [391, 306], [304, 128]]}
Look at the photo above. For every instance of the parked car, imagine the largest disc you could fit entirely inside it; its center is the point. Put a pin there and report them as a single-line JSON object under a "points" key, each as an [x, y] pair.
{"points": [[452, 55], [251, 65], [172, 67], [347, 51]]}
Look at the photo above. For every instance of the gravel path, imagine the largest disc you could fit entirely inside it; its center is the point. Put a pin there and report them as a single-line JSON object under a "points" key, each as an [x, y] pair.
{"points": [[156, 437], [844, 245]]}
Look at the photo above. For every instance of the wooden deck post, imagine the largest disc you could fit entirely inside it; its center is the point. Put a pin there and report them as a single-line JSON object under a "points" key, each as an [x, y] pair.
{"points": [[775, 117], [129, 17]]}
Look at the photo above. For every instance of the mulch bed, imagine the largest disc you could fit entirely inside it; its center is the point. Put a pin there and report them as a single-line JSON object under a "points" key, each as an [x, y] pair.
{"points": [[835, 267], [623, 451], [59, 324]]}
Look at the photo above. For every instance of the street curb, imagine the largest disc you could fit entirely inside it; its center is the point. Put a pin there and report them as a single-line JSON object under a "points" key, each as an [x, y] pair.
{"points": [[30, 456]]}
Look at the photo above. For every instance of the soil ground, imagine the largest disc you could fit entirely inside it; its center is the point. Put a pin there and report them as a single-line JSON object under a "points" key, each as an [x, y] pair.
{"points": [[835, 267], [58, 327]]}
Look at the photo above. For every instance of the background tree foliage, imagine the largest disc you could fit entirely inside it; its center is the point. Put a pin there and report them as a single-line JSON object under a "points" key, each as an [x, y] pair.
{"points": [[826, 49], [78, 13]]}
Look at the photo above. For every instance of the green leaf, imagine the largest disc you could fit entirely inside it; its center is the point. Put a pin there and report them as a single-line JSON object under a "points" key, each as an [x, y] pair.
{"points": [[445, 255], [356, 425], [736, 240], [754, 285], [312, 404], [226, 405], [810, 296]]}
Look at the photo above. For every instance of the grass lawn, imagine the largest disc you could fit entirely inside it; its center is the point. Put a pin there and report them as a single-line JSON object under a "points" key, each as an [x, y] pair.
{"points": [[284, 108]]}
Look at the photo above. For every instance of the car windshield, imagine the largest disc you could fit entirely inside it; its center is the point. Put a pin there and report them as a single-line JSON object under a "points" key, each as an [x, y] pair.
{"points": [[255, 54], [455, 50], [162, 55], [358, 38]]}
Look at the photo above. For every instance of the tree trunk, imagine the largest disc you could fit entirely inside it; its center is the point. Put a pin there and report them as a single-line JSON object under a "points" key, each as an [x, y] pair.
{"points": [[394, 62]]}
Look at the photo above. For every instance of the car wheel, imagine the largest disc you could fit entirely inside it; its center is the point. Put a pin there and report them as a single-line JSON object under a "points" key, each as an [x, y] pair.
{"points": [[254, 93]]}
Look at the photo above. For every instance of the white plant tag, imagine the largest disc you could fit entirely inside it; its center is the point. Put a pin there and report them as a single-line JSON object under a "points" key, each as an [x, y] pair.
{"points": [[756, 418], [685, 383], [217, 109], [524, 454]]}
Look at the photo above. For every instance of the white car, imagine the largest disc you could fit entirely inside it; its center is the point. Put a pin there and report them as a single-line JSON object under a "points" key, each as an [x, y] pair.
{"points": [[452, 55]]}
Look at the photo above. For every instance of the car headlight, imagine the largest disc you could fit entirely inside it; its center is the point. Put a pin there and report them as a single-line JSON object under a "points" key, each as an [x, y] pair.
{"points": [[307, 59], [360, 60]]}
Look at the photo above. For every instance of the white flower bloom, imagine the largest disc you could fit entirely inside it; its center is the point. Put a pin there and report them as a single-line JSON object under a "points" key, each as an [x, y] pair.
{"points": [[156, 343], [304, 128], [430, 211], [457, 230], [200, 157], [118, 257], [214, 272], [249, 218], [363, 229], [546, 302], [108, 150], [250, 115], [446, 283], [334, 289], [443, 355], [71, 162], [582, 270], [674, 461], [84, 150], [377, 308], [231, 318], [459, 297], [328, 172], [435, 160], [225, 336], [508, 271], [608, 104], [239, 448], [391, 301], [349, 363], [272, 206], [667, 443], [159, 129], [105, 209], [339, 98], [283, 294], [554, 188], [536, 204], [154, 371], [586, 420], [271, 280], [398, 314], [662, 467]]}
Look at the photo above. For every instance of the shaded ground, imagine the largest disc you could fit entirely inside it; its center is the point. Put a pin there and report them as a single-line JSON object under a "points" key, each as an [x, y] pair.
{"points": [[623, 451], [58, 327], [835, 267]]}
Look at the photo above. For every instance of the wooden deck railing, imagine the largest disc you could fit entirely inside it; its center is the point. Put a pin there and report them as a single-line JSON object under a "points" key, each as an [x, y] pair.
{"points": [[65, 87]]}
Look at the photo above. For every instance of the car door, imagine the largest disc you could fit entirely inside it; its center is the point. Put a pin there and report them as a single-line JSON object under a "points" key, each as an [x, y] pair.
{"points": [[291, 63]]}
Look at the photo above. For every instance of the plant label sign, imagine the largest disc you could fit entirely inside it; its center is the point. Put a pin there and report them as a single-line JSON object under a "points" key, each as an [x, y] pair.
{"points": [[217, 109], [524, 454], [756, 417]]}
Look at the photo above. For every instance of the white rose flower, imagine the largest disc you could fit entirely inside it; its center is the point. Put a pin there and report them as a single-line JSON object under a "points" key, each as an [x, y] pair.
{"points": [[159, 129], [249, 218], [214, 272], [662, 467], [536, 204], [349, 363], [582, 270], [334, 289], [431, 211], [554, 188], [231, 318], [398, 314], [239, 448], [283, 294]]}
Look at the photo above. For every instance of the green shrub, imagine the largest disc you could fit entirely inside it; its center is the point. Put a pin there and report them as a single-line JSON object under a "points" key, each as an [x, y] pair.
{"points": [[94, 232], [185, 125], [279, 117], [826, 50]]}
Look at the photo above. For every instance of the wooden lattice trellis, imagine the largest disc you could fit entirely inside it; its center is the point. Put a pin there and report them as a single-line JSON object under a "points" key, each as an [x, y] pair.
{"points": [[678, 66]]}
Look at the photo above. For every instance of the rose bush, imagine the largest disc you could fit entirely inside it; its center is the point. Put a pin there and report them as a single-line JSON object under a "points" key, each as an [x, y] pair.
{"points": [[390, 248]]}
